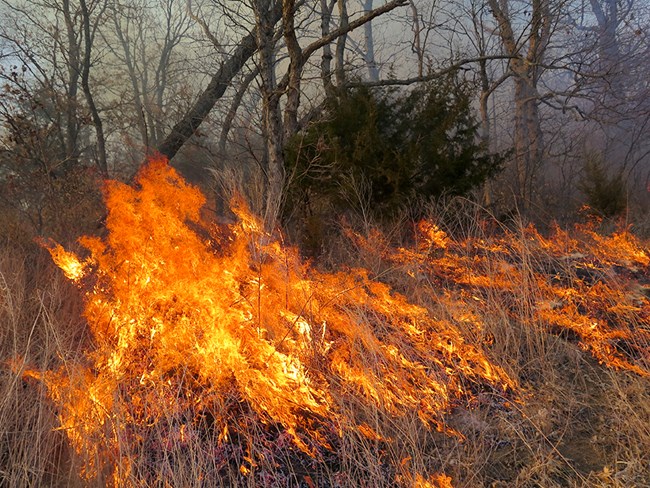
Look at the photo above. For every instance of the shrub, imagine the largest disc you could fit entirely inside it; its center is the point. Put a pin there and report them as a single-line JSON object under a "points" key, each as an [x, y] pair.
{"points": [[605, 193], [382, 149]]}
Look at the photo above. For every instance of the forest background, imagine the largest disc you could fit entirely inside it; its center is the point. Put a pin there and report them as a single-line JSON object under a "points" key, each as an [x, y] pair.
{"points": [[532, 107]]}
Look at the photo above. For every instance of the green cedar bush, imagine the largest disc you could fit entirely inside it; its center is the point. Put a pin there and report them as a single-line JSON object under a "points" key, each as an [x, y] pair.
{"points": [[386, 149], [605, 193]]}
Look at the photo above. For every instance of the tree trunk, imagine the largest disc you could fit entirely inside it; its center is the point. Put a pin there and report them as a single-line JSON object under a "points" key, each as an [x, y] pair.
{"points": [[371, 64], [85, 83], [341, 42], [485, 123], [528, 143], [295, 69], [185, 128], [72, 122], [326, 59], [417, 42], [272, 124]]}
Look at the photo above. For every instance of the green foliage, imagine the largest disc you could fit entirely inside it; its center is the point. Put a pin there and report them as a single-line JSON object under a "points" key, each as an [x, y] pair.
{"points": [[384, 149], [606, 194]]}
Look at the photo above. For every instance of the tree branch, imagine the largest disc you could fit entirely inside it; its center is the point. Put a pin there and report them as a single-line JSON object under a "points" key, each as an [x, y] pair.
{"points": [[184, 129], [429, 77]]}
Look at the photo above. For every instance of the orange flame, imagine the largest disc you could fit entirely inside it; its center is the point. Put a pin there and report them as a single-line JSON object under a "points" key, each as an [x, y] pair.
{"points": [[191, 320], [187, 316], [435, 481], [73, 269], [571, 284]]}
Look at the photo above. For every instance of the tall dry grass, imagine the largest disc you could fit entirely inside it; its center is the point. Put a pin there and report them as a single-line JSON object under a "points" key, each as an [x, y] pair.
{"points": [[41, 326], [577, 422], [574, 422]]}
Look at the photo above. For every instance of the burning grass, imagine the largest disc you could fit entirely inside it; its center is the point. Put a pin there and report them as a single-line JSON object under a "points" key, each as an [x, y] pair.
{"points": [[218, 357], [586, 287]]}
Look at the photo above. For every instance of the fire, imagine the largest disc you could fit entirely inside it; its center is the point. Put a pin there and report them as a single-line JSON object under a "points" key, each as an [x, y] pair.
{"points": [[572, 285], [202, 330], [435, 481], [69, 263], [199, 328]]}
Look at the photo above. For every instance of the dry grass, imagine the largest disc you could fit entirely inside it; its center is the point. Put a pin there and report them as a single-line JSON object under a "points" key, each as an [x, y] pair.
{"points": [[574, 422], [41, 326]]}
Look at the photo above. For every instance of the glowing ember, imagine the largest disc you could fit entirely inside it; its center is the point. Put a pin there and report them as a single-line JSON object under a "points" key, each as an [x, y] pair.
{"points": [[197, 328]]}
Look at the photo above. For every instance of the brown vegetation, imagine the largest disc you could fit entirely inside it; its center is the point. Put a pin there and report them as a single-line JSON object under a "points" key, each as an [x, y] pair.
{"points": [[470, 354]]}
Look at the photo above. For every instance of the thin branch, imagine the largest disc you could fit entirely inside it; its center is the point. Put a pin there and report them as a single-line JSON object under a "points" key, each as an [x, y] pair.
{"points": [[429, 77]]}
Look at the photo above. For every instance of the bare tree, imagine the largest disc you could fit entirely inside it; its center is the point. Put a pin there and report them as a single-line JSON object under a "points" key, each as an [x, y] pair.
{"points": [[269, 60], [146, 45], [612, 58], [277, 128], [53, 43], [527, 48]]}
